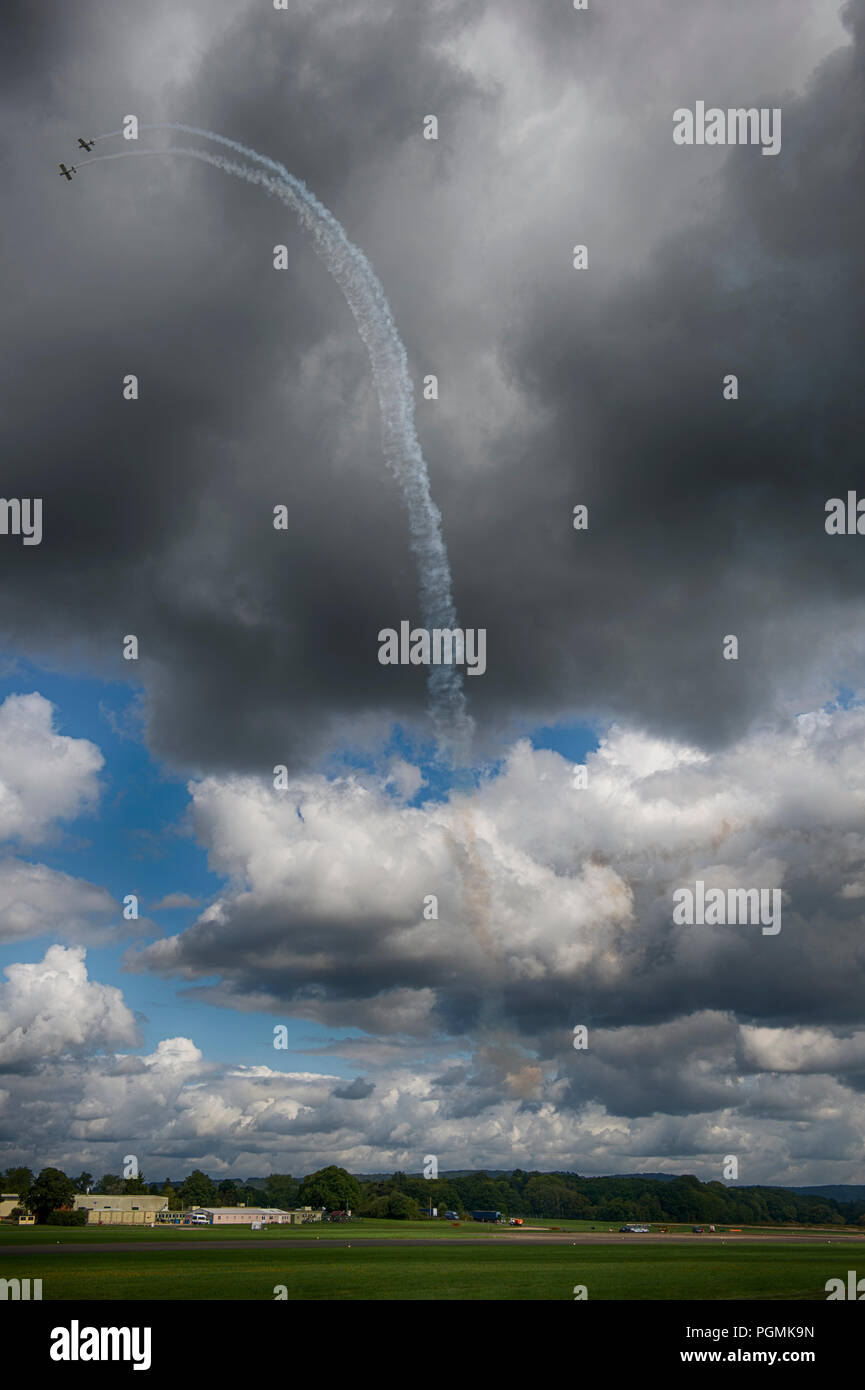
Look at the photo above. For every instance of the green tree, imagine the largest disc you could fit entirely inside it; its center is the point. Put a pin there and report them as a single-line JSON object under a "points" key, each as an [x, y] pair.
{"points": [[83, 1182], [174, 1201], [546, 1195], [331, 1187], [19, 1181], [51, 1191], [378, 1206], [198, 1190], [401, 1207], [283, 1191]]}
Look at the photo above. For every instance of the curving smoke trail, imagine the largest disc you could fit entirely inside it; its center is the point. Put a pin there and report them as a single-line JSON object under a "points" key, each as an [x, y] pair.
{"points": [[366, 298]]}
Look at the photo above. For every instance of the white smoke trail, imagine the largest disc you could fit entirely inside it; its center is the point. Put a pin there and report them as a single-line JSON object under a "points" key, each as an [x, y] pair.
{"points": [[477, 888], [366, 299]]}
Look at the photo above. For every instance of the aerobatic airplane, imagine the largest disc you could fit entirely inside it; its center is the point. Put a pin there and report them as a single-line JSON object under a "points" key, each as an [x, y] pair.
{"points": [[67, 173]]}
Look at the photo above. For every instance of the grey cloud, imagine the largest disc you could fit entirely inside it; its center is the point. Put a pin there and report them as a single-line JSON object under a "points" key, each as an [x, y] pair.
{"points": [[357, 1090], [705, 518]]}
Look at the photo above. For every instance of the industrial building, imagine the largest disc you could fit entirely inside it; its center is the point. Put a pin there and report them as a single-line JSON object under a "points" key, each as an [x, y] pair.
{"points": [[143, 1210], [105, 1209], [9, 1202]]}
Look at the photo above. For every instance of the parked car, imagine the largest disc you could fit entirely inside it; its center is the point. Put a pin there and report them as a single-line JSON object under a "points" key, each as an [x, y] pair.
{"points": [[697, 1230]]}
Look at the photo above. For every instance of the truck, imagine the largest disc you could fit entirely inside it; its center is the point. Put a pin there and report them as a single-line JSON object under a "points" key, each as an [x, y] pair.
{"points": [[486, 1216]]}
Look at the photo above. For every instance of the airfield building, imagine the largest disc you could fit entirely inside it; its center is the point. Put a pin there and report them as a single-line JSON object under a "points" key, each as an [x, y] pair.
{"points": [[242, 1216], [107, 1209]]}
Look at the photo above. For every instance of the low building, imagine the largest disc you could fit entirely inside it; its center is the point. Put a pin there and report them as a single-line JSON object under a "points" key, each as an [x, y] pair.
{"points": [[108, 1209], [243, 1216], [9, 1202], [304, 1216]]}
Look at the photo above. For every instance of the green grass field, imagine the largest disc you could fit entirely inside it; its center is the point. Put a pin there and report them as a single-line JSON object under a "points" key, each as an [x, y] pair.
{"points": [[189, 1235], [397, 1230], [439, 1273]]}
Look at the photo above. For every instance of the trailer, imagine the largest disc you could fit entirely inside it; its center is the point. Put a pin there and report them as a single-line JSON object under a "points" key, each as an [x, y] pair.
{"points": [[486, 1216]]}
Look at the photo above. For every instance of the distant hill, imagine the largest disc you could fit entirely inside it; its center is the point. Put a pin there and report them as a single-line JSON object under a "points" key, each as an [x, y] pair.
{"points": [[508, 1172], [649, 1177], [838, 1191]]}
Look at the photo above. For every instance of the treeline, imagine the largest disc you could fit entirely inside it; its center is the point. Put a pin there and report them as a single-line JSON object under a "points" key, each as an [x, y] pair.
{"points": [[610, 1200], [400, 1196]]}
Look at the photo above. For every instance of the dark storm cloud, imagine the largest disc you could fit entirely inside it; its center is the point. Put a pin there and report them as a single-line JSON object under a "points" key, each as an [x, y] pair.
{"points": [[341, 89], [255, 391], [706, 517]]}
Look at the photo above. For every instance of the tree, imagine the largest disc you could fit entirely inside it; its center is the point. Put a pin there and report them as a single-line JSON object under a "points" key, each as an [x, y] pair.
{"points": [[110, 1185], [374, 1206], [198, 1190], [65, 1217], [174, 1202], [333, 1188], [283, 1190], [402, 1208], [51, 1191], [83, 1182], [19, 1181], [545, 1195]]}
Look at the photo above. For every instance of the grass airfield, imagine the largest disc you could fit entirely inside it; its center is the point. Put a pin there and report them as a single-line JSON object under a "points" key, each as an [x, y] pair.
{"points": [[425, 1260], [31, 1236]]}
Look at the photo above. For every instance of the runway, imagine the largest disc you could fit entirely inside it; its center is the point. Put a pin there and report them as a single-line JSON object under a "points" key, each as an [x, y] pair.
{"points": [[575, 1238]]}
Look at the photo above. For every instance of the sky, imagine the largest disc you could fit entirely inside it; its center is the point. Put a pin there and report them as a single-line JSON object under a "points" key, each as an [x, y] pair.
{"points": [[414, 1028]]}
